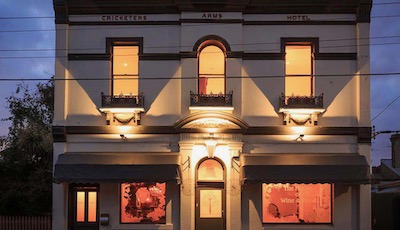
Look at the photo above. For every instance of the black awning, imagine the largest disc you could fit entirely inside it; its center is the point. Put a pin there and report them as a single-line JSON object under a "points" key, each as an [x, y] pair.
{"points": [[305, 168], [121, 167]]}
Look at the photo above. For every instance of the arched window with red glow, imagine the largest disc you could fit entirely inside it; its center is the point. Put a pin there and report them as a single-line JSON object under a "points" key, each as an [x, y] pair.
{"points": [[211, 70]]}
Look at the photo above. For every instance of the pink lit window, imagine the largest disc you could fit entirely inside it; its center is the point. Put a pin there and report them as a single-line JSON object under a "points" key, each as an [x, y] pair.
{"points": [[210, 170], [297, 203], [143, 203]]}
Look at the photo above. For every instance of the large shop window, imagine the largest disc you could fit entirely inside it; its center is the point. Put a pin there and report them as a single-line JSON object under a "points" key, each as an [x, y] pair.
{"points": [[299, 70], [125, 70], [212, 70], [297, 203], [143, 203]]}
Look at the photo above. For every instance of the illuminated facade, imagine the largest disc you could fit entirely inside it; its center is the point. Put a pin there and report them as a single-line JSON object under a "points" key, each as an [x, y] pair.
{"points": [[203, 114]]}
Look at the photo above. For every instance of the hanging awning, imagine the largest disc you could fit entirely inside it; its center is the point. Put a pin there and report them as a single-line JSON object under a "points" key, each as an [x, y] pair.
{"points": [[305, 168], [117, 167]]}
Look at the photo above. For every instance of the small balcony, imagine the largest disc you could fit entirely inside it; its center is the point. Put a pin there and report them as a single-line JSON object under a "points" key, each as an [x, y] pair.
{"points": [[301, 102], [122, 101], [211, 101], [301, 110], [122, 108], [220, 102]]}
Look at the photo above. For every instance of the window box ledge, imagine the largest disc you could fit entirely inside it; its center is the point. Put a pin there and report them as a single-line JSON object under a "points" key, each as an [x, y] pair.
{"points": [[211, 102], [122, 108], [301, 109]]}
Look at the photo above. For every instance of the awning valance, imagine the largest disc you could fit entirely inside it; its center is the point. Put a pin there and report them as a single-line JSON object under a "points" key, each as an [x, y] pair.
{"points": [[305, 168], [117, 167]]}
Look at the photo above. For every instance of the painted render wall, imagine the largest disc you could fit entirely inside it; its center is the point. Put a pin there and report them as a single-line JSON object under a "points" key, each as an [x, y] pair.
{"points": [[161, 96], [167, 100]]}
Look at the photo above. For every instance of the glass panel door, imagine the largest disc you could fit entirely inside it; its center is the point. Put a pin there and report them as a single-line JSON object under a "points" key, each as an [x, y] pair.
{"points": [[83, 208], [210, 195]]}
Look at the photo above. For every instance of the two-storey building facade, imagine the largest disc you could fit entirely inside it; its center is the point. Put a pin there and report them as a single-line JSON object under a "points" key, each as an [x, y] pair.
{"points": [[200, 114]]}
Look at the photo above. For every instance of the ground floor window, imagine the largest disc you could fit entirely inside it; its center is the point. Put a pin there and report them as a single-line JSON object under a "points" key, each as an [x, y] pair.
{"points": [[297, 203], [143, 202]]}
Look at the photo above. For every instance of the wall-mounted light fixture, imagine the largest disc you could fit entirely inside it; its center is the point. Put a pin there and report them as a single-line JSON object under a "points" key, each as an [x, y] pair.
{"points": [[300, 138], [210, 144]]}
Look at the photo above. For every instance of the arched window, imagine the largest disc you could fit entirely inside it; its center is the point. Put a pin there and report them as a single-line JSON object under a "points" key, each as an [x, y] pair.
{"points": [[211, 70], [210, 170]]}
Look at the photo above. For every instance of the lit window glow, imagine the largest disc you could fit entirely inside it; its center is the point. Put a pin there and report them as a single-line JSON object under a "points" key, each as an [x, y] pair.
{"points": [[298, 62], [210, 203], [143, 203], [92, 209], [212, 71], [125, 70], [80, 206], [210, 170], [296, 203]]}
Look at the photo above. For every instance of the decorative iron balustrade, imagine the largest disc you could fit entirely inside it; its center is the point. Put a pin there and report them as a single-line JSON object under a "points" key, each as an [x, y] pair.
{"points": [[211, 99], [301, 102], [122, 101]]}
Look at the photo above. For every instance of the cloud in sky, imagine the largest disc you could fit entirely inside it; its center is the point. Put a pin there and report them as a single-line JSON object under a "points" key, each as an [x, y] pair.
{"points": [[384, 89]]}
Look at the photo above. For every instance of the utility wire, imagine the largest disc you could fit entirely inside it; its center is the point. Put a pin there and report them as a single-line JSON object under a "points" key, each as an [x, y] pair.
{"points": [[52, 17], [190, 46], [391, 103], [96, 27], [195, 77], [335, 46]]}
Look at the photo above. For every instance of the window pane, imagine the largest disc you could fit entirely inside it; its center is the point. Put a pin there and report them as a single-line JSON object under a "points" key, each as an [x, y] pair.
{"points": [[125, 60], [298, 62], [297, 203], [125, 70], [126, 85], [212, 71], [143, 202], [210, 203], [212, 61], [80, 206], [210, 170], [92, 209]]}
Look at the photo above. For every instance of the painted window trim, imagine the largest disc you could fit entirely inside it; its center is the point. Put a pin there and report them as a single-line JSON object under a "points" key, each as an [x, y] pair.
{"points": [[122, 41], [300, 41]]}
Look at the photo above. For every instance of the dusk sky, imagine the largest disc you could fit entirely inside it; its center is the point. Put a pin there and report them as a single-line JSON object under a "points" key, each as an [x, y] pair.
{"points": [[27, 51]]}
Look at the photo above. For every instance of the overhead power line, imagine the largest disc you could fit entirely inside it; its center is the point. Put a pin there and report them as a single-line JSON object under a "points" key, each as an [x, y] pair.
{"points": [[150, 26], [52, 17], [258, 50], [383, 110], [190, 46], [80, 78]]}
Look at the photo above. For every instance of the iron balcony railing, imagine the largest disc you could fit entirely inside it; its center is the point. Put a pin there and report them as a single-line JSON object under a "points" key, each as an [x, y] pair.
{"points": [[211, 99], [122, 101], [301, 102]]}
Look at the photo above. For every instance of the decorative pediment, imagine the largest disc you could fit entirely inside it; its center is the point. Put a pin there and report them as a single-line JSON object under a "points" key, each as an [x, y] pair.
{"points": [[211, 123], [211, 120]]}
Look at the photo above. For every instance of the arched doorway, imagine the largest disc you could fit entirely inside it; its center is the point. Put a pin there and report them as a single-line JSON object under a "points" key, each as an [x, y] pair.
{"points": [[210, 195]]}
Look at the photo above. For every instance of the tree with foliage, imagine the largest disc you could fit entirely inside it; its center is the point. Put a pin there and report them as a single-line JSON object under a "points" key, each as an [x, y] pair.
{"points": [[26, 163]]}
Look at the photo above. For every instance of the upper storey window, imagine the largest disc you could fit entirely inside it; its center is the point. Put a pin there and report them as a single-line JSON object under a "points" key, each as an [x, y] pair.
{"points": [[299, 70], [299, 103], [125, 71], [211, 70], [124, 103]]}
